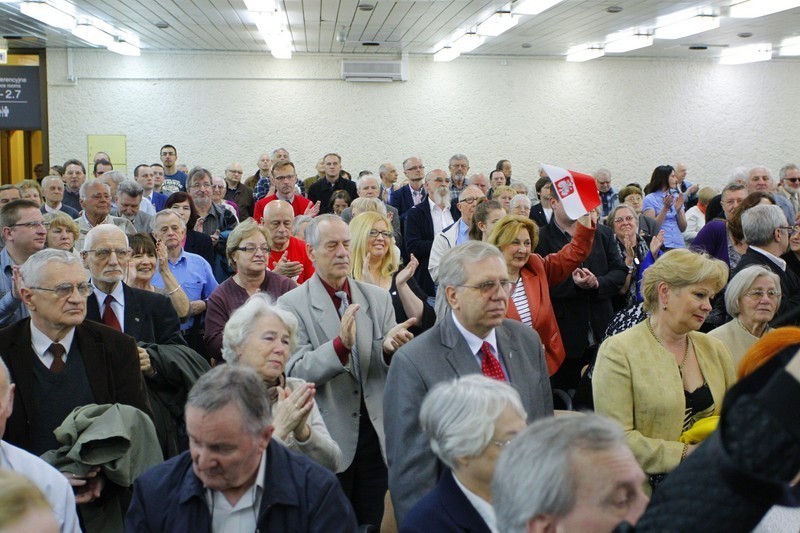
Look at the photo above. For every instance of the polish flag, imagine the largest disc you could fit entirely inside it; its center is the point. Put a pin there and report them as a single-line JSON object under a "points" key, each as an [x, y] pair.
{"points": [[578, 192]]}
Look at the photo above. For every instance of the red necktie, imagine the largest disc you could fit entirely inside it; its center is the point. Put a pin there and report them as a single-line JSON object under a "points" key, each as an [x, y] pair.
{"points": [[109, 317], [490, 366], [57, 352]]}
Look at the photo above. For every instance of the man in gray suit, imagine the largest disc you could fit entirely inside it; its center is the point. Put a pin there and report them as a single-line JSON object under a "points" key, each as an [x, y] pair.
{"points": [[346, 336], [474, 338]]}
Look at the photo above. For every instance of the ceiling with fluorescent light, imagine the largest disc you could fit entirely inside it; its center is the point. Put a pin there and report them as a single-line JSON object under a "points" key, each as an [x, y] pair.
{"points": [[416, 27]]}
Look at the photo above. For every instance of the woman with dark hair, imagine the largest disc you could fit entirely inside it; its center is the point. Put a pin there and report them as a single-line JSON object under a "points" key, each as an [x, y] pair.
{"points": [[483, 220], [146, 258], [195, 241], [664, 202], [340, 200]]}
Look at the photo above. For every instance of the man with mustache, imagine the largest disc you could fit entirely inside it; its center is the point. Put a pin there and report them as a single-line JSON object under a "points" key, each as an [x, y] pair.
{"points": [[426, 220], [459, 168]]}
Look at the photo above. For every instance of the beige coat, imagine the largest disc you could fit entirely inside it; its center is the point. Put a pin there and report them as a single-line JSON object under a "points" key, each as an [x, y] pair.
{"points": [[636, 382], [736, 338]]}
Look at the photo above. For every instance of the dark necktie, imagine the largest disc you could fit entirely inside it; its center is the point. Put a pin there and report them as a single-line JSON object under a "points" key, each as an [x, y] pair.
{"points": [[490, 366], [109, 317], [57, 352]]}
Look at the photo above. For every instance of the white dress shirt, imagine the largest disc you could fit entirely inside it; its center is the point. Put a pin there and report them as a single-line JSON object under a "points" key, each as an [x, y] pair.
{"points": [[442, 218]]}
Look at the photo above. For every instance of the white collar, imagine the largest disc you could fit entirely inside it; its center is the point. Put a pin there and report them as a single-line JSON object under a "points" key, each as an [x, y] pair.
{"points": [[473, 341], [777, 260], [117, 293], [483, 507], [41, 342]]}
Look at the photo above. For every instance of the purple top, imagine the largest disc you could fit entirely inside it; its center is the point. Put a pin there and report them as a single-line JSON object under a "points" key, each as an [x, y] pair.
{"points": [[228, 297], [713, 239]]}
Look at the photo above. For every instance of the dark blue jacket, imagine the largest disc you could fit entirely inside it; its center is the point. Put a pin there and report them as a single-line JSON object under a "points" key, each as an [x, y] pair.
{"points": [[418, 235], [402, 200], [299, 495], [444, 509]]}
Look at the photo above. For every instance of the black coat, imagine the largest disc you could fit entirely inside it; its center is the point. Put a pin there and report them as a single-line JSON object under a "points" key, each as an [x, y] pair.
{"points": [[418, 235], [789, 311], [575, 308]]}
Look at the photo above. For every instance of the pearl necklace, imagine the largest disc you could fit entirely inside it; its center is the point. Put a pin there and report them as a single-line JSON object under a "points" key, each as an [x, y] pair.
{"points": [[682, 364]]}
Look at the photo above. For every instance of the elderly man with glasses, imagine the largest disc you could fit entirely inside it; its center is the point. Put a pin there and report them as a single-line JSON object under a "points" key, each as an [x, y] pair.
{"points": [[146, 316], [237, 192]]}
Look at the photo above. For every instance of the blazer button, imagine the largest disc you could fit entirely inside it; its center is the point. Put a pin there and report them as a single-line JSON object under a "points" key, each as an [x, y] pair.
{"points": [[355, 393], [355, 415]]}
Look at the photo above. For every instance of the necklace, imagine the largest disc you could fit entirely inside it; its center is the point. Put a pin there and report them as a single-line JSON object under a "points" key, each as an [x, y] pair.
{"points": [[682, 364]]}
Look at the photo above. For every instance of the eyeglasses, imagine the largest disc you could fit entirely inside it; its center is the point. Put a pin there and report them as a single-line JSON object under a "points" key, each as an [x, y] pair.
{"points": [[488, 288], [218, 186], [200, 185], [472, 199], [414, 168], [31, 225], [791, 229], [385, 234], [500, 443], [251, 249], [105, 253], [65, 289], [757, 294], [628, 218], [793, 180], [235, 171]]}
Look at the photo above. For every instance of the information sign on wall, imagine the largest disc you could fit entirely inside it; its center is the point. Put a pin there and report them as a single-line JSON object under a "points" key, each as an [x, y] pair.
{"points": [[20, 107]]}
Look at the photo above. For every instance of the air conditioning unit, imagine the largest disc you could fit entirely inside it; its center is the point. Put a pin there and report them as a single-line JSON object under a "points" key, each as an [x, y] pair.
{"points": [[375, 71]]}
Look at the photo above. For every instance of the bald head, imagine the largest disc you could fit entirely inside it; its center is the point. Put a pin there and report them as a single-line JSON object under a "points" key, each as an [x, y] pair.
{"points": [[278, 219]]}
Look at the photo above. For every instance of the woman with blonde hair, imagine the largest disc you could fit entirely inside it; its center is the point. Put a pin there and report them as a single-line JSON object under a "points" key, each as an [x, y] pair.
{"points": [[30, 190], [376, 260], [662, 376], [62, 231], [23, 507], [533, 275]]}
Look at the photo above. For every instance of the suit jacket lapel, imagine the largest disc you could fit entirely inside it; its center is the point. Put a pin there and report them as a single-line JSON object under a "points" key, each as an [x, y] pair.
{"points": [[133, 313], [511, 352], [93, 309], [363, 328], [325, 317], [459, 356], [94, 361]]}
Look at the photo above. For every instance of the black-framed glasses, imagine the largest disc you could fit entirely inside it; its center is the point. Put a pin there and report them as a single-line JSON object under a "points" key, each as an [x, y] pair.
{"points": [[385, 234], [791, 229], [65, 289], [472, 199], [490, 287], [252, 249], [105, 253], [32, 225]]}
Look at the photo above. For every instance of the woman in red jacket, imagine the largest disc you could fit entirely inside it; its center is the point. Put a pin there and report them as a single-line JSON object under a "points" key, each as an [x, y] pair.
{"points": [[517, 237]]}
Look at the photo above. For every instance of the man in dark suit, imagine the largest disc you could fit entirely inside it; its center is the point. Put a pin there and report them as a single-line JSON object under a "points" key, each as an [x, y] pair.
{"points": [[426, 220], [53, 192], [474, 338], [766, 231], [146, 316], [582, 303], [59, 362], [322, 190], [413, 192]]}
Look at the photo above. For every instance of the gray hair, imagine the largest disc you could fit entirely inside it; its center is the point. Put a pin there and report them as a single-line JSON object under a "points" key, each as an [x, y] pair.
{"points": [[299, 220], [760, 222], [453, 269], [733, 186], [738, 174], [92, 183], [47, 179], [163, 213], [741, 282], [520, 187], [114, 175], [129, 188], [93, 233], [361, 179], [276, 150], [367, 204], [786, 168], [312, 230], [383, 169], [242, 323], [535, 475], [601, 172], [760, 167], [459, 416], [458, 157], [519, 199], [237, 385], [32, 270]]}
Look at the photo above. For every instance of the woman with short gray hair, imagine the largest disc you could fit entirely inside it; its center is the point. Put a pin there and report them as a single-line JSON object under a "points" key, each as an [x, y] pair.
{"points": [[469, 421], [752, 298], [261, 336]]}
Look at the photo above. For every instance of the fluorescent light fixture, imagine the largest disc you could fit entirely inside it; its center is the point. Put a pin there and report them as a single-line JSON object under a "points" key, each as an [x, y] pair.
{"points": [[533, 7], [281, 45], [750, 53], [790, 46], [497, 24], [468, 42], [447, 53], [98, 33], [686, 27], [585, 53], [268, 24], [618, 43], [758, 8], [260, 5], [58, 17]]}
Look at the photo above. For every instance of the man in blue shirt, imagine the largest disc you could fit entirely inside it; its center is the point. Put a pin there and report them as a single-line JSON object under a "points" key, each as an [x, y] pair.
{"points": [[174, 179], [24, 234], [191, 270]]}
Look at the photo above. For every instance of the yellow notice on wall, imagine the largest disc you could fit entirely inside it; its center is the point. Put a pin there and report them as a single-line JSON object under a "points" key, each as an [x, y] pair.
{"points": [[113, 145]]}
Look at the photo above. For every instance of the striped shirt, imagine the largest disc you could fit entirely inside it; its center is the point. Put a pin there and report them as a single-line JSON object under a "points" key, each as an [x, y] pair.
{"points": [[521, 303]]}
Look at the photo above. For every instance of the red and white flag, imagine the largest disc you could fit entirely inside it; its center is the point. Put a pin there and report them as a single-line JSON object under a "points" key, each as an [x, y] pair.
{"points": [[578, 192]]}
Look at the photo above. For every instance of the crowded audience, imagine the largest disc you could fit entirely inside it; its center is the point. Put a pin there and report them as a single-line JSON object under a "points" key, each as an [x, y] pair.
{"points": [[382, 351]]}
